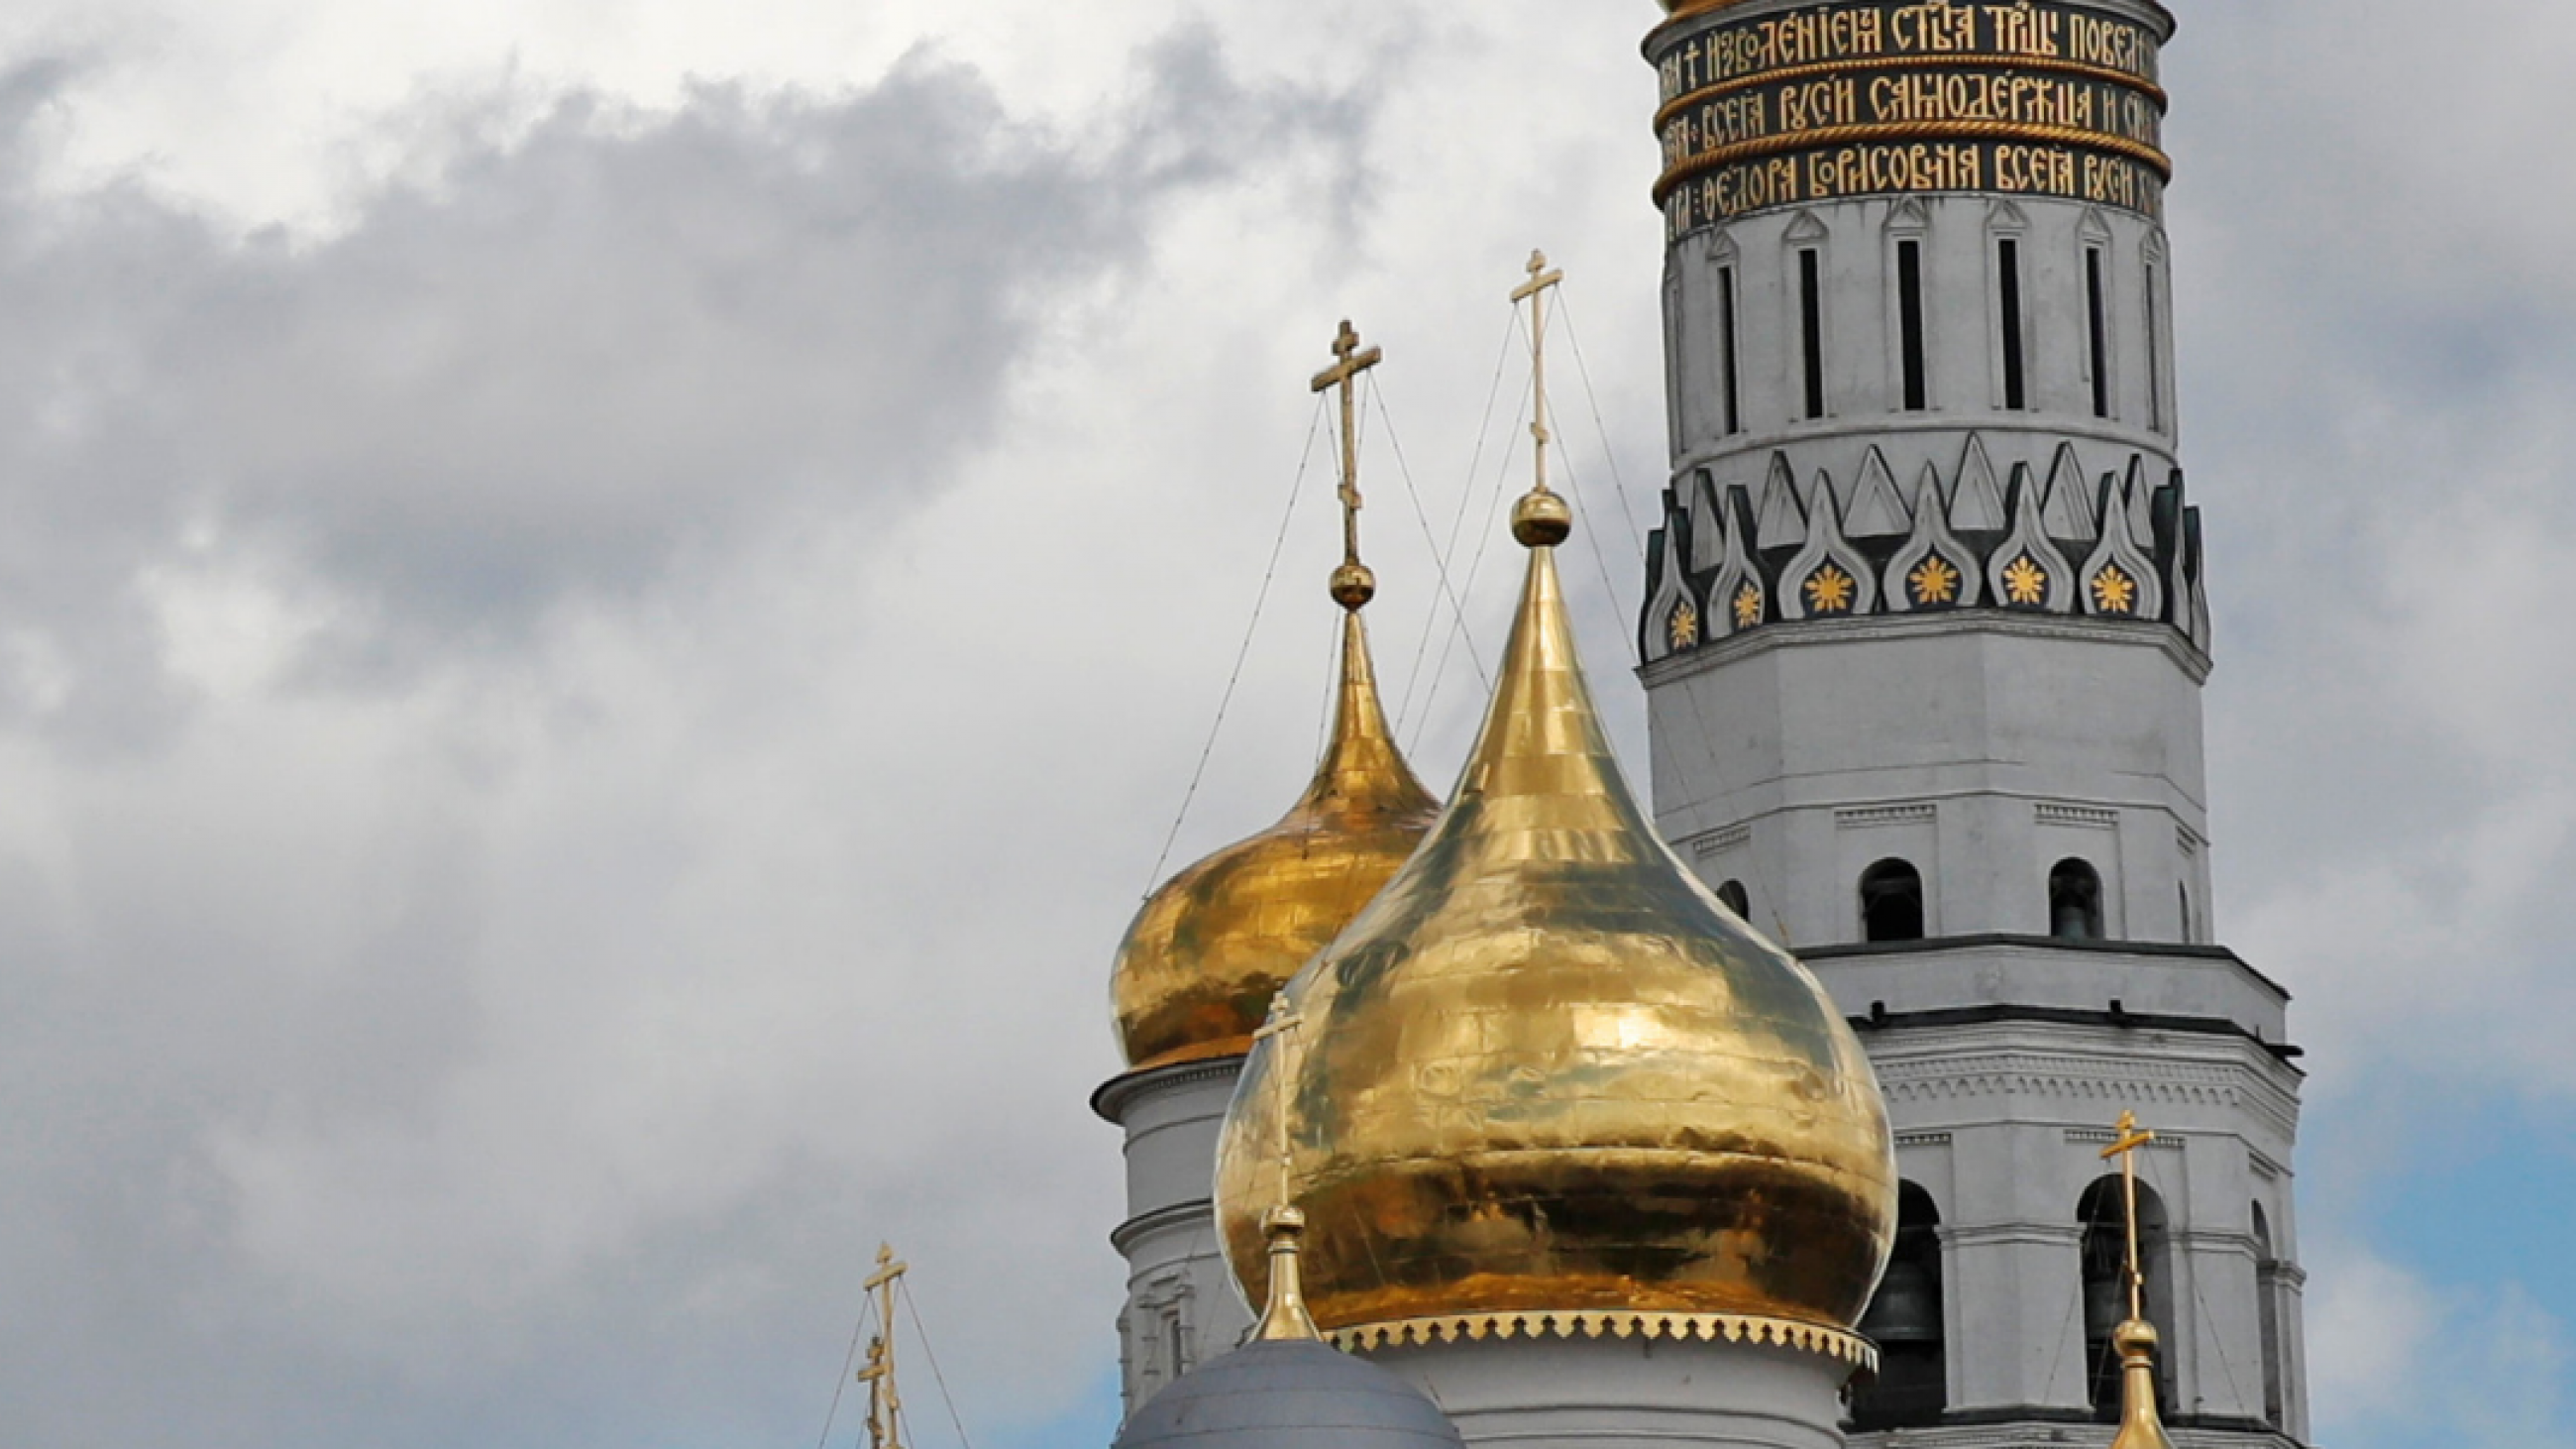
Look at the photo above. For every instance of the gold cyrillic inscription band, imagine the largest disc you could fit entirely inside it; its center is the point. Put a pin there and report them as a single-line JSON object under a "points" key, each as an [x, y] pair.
{"points": [[1866, 97]]}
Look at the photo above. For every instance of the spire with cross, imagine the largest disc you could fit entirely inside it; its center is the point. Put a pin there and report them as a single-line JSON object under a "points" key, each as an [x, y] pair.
{"points": [[1283, 1314], [885, 1403], [1542, 519], [1353, 584], [2140, 1425], [2125, 1147]]}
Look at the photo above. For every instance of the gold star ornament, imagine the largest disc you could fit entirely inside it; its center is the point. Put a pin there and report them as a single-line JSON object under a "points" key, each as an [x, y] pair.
{"points": [[2025, 582], [1934, 581], [1683, 629], [1748, 606], [2114, 592], [1830, 590]]}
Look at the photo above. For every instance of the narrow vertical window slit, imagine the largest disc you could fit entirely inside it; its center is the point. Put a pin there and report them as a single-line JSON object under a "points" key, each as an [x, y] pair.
{"points": [[1726, 348], [2097, 320], [1909, 311], [2155, 356], [2008, 277], [1811, 309]]}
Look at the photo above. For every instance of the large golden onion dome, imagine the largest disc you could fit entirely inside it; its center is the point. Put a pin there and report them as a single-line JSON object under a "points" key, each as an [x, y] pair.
{"points": [[1208, 951], [1547, 1080]]}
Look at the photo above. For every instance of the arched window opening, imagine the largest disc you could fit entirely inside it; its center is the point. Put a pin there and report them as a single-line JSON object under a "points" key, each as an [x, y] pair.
{"points": [[2075, 901], [1891, 902], [2184, 892], [1907, 1322], [2267, 1295], [1735, 898], [2103, 1212]]}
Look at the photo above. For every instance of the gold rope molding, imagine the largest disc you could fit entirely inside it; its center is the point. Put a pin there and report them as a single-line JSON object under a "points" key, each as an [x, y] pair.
{"points": [[1903, 131], [1832, 1343], [1790, 75]]}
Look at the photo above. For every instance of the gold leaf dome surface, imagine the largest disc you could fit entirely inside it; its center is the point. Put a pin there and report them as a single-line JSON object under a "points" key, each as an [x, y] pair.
{"points": [[1546, 1070], [1202, 960]]}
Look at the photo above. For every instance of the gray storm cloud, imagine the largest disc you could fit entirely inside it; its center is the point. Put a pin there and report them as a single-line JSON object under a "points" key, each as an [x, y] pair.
{"points": [[491, 811]]}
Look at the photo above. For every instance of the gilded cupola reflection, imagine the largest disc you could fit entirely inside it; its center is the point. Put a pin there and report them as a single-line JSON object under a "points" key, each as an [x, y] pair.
{"points": [[1209, 949], [1545, 1072]]}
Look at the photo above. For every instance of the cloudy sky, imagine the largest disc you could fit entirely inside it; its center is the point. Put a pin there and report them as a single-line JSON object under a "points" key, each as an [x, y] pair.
{"points": [[605, 606]]}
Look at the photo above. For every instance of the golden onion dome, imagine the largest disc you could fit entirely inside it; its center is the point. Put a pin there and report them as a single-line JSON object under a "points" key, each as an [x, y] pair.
{"points": [[1547, 1073], [1210, 949]]}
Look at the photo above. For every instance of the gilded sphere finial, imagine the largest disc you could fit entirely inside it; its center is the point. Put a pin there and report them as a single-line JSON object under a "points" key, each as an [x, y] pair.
{"points": [[1541, 520], [1353, 586], [2136, 1336]]}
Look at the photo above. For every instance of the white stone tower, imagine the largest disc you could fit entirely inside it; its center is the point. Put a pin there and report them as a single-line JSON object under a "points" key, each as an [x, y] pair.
{"points": [[1925, 637]]}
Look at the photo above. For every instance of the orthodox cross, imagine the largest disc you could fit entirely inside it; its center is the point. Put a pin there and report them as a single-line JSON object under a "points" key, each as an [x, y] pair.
{"points": [[2125, 1148], [884, 1403], [1350, 362], [1534, 291], [1282, 1024]]}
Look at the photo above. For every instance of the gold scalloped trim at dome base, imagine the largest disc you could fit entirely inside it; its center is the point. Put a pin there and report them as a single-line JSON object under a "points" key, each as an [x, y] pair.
{"points": [[1832, 1343]]}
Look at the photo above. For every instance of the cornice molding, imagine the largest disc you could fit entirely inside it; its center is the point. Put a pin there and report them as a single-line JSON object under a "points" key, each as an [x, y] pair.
{"points": [[1113, 1097]]}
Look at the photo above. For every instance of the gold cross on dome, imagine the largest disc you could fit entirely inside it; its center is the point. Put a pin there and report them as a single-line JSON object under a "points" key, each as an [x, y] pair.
{"points": [[2125, 1147], [1350, 361], [1534, 291], [1282, 1023], [885, 1401]]}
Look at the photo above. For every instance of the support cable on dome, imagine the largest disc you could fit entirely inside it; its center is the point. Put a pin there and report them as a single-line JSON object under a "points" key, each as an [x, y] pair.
{"points": [[1583, 370], [1439, 560], [1445, 553], [920, 1331], [1574, 493], [849, 1367], [1225, 701], [2226, 1365], [1600, 560], [2057, 1360], [1494, 509]]}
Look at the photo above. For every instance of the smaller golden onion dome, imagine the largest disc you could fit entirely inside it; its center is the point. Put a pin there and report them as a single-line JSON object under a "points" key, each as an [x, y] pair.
{"points": [[1545, 1072], [1202, 960]]}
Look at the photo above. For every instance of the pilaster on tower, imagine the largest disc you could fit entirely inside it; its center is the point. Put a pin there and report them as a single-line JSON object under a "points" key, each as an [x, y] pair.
{"points": [[1925, 631]]}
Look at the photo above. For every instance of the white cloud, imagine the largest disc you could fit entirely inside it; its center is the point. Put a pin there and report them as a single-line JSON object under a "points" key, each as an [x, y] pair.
{"points": [[2399, 1361]]}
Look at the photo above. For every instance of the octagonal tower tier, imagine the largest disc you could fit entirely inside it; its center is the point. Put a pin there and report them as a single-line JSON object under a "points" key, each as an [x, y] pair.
{"points": [[1925, 633]]}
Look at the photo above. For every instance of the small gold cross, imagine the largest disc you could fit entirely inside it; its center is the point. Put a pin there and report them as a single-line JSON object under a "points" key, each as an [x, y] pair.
{"points": [[1281, 1023], [2125, 1147], [1533, 291], [1350, 362]]}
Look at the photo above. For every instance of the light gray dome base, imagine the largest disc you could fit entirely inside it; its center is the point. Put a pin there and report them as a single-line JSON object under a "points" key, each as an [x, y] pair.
{"points": [[1610, 1393], [1289, 1395]]}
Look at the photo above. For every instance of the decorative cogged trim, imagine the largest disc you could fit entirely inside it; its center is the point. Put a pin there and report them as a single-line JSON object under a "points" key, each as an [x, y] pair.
{"points": [[1833, 1343], [1746, 555], [2167, 1140], [2091, 817], [1110, 1101], [1717, 842], [1862, 817]]}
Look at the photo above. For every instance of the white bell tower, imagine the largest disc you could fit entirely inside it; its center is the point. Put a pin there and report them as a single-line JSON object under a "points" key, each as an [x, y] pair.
{"points": [[1925, 637]]}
